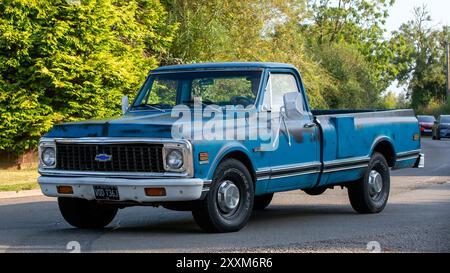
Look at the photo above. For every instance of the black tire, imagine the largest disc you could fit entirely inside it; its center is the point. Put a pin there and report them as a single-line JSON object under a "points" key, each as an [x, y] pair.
{"points": [[86, 214], [263, 201], [366, 199], [209, 214], [315, 191]]}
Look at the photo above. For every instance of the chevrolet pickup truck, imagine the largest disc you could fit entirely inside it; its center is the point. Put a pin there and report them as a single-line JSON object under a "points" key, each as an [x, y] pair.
{"points": [[219, 139]]}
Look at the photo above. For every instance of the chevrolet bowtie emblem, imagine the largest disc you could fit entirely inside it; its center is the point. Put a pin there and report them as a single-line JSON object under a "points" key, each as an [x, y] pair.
{"points": [[103, 158]]}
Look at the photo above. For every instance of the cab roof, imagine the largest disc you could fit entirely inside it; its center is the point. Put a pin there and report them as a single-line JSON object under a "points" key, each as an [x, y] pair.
{"points": [[218, 66]]}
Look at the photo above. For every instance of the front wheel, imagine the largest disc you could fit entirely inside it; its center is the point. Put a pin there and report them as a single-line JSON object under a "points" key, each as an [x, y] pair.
{"points": [[370, 194], [86, 214], [229, 202]]}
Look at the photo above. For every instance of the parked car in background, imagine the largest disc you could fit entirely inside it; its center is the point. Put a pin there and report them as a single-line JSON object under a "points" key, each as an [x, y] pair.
{"points": [[441, 127], [426, 124]]}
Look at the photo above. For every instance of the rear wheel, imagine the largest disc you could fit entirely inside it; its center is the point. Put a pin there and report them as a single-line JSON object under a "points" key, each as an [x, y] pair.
{"points": [[262, 201], [86, 214], [370, 194], [229, 202]]}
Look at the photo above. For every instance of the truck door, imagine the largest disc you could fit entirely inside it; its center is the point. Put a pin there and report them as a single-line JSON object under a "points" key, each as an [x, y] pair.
{"points": [[294, 162]]}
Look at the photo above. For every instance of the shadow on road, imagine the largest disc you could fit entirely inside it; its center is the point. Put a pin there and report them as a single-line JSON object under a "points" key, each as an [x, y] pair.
{"points": [[39, 227]]}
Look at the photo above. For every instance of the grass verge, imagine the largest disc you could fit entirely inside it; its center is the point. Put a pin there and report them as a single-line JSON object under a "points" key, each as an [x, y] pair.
{"points": [[18, 180]]}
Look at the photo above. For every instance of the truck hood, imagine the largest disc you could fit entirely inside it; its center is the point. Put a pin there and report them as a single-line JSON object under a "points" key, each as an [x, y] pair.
{"points": [[139, 125], [148, 125]]}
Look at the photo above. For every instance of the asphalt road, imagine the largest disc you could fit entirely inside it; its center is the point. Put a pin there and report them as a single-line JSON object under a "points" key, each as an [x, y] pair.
{"points": [[417, 219]]}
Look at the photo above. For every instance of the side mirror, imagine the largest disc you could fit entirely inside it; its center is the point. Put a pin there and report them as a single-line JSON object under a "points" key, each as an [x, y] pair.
{"points": [[125, 104], [266, 108], [293, 104]]}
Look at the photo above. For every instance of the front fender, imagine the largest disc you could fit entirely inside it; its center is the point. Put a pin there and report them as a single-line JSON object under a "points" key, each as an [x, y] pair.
{"points": [[223, 152]]}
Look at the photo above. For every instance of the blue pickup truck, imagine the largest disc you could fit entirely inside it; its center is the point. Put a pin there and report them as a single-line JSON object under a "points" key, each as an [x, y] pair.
{"points": [[219, 139]]}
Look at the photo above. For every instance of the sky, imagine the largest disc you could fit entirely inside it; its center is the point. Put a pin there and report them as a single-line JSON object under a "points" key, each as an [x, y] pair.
{"points": [[402, 11]]}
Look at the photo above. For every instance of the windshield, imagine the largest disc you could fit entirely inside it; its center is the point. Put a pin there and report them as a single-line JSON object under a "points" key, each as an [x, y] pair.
{"points": [[163, 91], [445, 119], [427, 119]]}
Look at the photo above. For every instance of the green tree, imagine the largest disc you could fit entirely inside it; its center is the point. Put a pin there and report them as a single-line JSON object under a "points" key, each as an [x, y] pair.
{"points": [[305, 33], [347, 37], [71, 60], [253, 30], [353, 87], [389, 101], [421, 58]]}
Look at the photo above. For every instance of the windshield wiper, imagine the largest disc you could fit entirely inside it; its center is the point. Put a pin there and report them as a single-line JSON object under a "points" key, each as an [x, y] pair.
{"points": [[152, 106]]}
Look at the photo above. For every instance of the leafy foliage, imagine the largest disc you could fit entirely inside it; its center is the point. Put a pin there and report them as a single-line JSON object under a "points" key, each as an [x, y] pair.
{"points": [[338, 45], [352, 85], [212, 31], [66, 61], [421, 59], [347, 38], [435, 108]]}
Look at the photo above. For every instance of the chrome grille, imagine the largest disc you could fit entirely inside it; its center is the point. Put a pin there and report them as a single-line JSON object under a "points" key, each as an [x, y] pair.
{"points": [[124, 157]]}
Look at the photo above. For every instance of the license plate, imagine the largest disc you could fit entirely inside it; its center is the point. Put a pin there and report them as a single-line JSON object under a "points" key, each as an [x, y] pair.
{"points": [[427, 131], [106, 193]]}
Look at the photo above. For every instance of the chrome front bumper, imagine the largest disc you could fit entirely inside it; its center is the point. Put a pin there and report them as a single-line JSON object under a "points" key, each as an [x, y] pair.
{"points": [[130, 190]]}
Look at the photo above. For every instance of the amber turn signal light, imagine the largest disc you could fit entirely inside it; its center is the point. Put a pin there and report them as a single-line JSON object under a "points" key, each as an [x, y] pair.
{"points": [[203, 156], [155, 191], [416, 137], [64, 189]]}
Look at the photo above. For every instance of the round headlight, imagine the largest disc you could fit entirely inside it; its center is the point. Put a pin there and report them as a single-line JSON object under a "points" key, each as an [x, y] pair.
{"points": [[174, 159], [49, 157]]}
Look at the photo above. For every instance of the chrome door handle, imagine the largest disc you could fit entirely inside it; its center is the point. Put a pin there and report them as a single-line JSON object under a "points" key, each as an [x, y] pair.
{"points": [[309, 125]]}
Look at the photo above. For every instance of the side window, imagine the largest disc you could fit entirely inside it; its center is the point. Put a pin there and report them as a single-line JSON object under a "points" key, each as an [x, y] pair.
{"points": [[282, 84]]}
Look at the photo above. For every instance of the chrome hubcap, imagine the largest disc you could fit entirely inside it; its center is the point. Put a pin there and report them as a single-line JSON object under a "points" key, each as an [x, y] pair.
{"points": [[228, 196], [375, 184]]}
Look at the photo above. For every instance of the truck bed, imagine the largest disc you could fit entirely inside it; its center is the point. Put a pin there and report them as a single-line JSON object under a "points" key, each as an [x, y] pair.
{"points": [[363, 112], [354, 134]]}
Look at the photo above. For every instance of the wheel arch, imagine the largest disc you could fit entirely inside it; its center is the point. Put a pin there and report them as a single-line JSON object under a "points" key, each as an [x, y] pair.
{"points": [[385, 147], [238, 153]]}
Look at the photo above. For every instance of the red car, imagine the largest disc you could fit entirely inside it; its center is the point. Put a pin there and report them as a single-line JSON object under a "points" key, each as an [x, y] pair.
{"points": [[426, 124]]}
